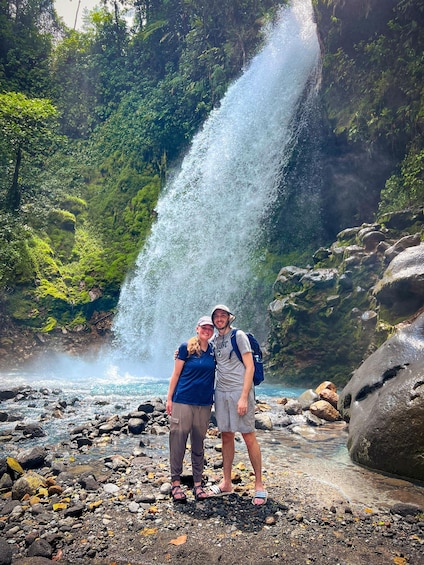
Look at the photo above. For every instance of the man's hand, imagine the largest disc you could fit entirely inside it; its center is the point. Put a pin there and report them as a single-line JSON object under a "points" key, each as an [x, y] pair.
{"points": [[242, 407]]}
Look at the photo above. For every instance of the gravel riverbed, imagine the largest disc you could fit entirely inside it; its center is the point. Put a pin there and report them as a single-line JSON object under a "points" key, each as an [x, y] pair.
{"points": [[103, 498]]}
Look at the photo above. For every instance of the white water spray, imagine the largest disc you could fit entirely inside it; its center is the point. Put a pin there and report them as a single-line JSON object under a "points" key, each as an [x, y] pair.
{"points": [[209, 217]]}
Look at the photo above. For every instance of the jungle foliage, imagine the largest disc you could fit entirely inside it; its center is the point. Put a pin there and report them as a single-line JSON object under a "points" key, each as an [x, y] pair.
{"points": [[92, 119], [110, 108]]}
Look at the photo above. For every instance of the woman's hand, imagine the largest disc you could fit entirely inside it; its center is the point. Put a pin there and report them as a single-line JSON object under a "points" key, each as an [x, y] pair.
{"points": [[169, 407]]}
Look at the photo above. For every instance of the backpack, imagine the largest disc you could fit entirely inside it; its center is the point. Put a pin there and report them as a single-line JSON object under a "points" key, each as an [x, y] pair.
{"points": [[258, 375]]}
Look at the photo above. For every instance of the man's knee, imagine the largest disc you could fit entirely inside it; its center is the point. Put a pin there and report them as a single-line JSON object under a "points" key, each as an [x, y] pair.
{"points": [[227, 437], [250, 439]]}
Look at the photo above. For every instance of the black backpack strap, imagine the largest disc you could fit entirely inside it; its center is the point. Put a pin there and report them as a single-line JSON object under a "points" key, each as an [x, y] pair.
{"points": [[234, 345]]}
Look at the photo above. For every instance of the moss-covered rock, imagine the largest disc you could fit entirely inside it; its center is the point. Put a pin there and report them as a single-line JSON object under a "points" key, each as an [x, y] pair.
{"points": [[326, 320]]}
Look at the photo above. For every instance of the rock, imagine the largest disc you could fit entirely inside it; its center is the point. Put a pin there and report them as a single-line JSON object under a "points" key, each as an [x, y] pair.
{"points": [[384, 405], [14, 466], [400, 246], [292, 407], [372, 239], [110, 488], [307, 398], [136, 426], [27, 484], [30, 430], [320, 278], [326, 384], [330, 396], [313, 420], [402, 285], [403, 509], [147, 407], [40, 548], [74, 511], [263, 422], [32, 458], [8, 394], [323, 409], [5, 553], [5, 482]]}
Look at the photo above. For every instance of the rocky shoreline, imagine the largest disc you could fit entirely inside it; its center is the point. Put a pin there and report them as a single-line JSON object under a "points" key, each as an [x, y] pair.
{"points": [[113, 504]]}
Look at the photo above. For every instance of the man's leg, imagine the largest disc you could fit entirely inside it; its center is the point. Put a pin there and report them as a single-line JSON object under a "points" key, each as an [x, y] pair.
{"points": [[255, 457], [228, 451]]}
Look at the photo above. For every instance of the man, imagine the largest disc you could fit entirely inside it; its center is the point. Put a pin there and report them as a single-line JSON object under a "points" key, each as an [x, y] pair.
{"points": [[235, 401]]}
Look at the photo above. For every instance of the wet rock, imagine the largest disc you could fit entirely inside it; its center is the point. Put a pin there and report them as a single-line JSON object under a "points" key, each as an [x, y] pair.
{"points": [[372, 239], [136, 426], [384, 404], [400, 246], [292, 407], [30, 430], [321, 278], [307, 398]]}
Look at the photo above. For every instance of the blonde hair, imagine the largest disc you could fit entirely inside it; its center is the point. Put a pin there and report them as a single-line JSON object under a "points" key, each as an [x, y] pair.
{"points": [[193, 346]]}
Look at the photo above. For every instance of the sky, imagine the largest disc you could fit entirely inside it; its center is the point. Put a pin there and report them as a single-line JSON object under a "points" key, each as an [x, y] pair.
{"points": [[67, 9]]}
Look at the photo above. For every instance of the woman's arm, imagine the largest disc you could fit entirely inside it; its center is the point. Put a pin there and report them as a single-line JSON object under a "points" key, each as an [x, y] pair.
{"points": [[178, 367]]}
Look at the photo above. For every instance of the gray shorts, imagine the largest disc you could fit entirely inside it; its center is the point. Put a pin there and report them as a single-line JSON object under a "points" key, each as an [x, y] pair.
{"points": [[227, 417]]}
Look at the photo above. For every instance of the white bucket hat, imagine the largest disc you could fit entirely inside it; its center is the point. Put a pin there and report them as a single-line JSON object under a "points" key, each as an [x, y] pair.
{"points": [[225, 309]]}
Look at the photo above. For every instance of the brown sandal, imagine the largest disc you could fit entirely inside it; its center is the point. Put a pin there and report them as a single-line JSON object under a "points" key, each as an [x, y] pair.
{"points": [[199, 493], [178, 495]]}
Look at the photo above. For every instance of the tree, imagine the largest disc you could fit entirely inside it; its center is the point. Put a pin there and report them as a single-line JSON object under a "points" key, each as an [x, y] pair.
{"points": [[27, 29], [28, 127]]}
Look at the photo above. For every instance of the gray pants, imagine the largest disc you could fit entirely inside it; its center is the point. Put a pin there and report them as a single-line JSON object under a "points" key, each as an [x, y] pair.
{"points": [[188, 420]]}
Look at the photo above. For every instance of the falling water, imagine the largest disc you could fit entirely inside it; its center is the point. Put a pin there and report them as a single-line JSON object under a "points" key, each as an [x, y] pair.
{"points": [[202, 247]]}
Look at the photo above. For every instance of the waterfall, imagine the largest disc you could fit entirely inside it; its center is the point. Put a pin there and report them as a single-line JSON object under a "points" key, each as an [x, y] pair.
{"points": [[211, 215]]}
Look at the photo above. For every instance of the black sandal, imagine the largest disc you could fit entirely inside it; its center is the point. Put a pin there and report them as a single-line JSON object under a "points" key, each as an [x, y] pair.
{"points": [[199, 493], [178, 495]]}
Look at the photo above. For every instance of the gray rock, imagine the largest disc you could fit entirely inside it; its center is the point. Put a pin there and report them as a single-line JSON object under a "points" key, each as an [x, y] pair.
{"points": [[263, 422], [400, 246], [40, 548], [307, 398], [292, 407], [32, 458], [404, 509], [5, 553], [384, 403], [136, 426], [402, 285]]}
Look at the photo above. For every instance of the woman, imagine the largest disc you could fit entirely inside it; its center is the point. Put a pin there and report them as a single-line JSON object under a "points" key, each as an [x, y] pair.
{"points": [[189, 403]]}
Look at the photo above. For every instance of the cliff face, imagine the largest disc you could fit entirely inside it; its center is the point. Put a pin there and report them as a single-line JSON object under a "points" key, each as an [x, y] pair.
{"points": [[360, 99], [325, 320]]}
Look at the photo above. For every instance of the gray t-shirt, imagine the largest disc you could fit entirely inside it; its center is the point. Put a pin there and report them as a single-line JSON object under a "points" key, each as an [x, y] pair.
{"points": [[229, 370]]}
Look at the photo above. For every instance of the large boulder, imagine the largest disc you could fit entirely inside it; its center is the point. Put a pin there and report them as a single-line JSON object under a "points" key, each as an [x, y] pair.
{"points": [[384, 405], [402, 287]]}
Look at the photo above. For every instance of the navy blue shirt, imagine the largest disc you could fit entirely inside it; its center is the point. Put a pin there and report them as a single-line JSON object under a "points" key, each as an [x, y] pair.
{"points": [[196, 383]]}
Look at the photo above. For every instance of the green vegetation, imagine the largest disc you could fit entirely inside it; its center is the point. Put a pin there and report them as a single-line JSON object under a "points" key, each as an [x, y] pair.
{"points": [[91, 121]]}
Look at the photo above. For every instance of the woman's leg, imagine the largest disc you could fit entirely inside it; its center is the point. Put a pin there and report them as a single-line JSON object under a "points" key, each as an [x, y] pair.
{"points": [[201, 417], [180, 426]]}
